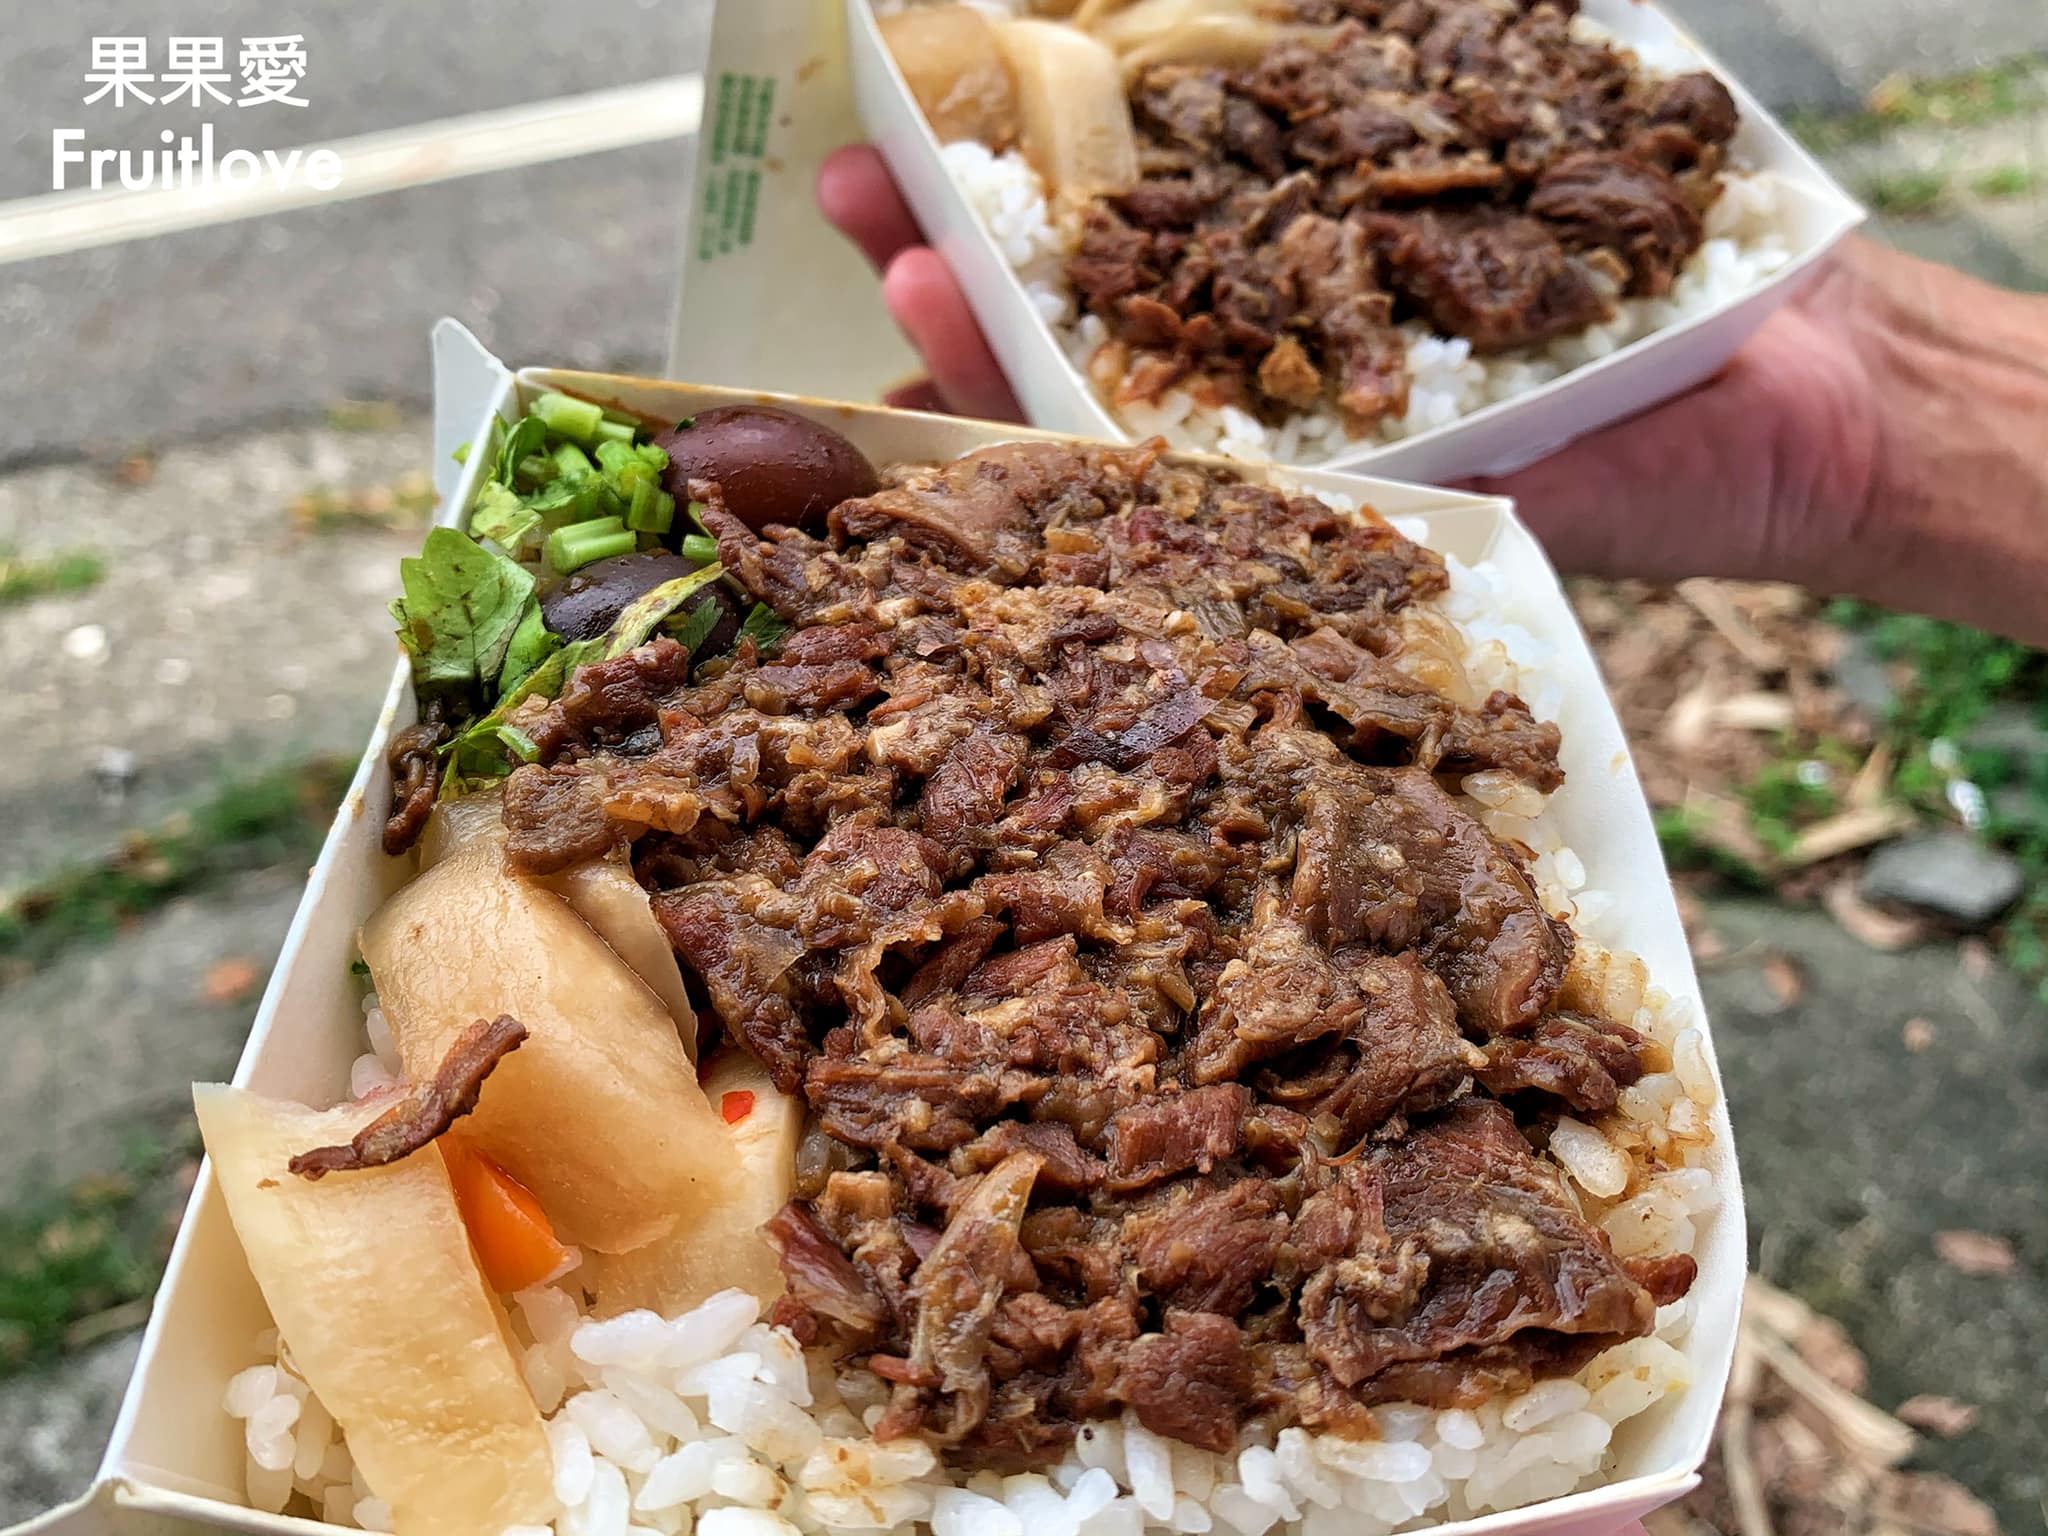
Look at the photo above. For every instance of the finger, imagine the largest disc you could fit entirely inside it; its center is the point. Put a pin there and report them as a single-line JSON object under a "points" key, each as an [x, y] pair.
{"points": [[858, 196], [922, 294], [918, 395]]}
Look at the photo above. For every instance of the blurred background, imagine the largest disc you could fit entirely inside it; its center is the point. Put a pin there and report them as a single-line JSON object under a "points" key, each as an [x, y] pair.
{"points": [[214, 444]]}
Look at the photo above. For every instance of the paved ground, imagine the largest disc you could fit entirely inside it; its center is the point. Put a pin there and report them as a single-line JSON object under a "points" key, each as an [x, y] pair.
{"points": [[258, 322], [1856, 1149]]}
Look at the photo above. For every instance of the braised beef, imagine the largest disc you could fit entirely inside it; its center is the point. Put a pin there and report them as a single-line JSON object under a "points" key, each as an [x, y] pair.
{"points": [[1088, 864], [1467, 163], [1475, 1250]]}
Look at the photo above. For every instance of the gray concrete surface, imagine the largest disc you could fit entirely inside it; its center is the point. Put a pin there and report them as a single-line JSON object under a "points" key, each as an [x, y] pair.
{"points": [[1830, 53], [1856, 1150], [103, 1046], [224, 638], [244, 324], [54, 1423]]}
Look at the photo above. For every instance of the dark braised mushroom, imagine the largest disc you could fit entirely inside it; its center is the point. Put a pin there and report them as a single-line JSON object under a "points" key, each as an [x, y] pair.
{"points": [[585, 605]]}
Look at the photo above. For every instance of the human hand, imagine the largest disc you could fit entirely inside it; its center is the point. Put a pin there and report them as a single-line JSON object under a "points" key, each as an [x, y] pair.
{"points": [[1876, 438], [856, 192], [1880, 438]]}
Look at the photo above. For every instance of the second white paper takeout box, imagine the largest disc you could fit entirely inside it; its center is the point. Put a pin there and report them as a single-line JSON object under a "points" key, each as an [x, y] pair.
{"points": [[177, 1459], [1815, 215]]}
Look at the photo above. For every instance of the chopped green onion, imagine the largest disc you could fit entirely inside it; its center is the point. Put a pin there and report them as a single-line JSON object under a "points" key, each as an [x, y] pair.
{"points": [[696, 510], [616, 432], [686, 423], [460, 456], [699, 548], [578, 544], [576, 419], [571, 460], [653, 509], [627, 418]]}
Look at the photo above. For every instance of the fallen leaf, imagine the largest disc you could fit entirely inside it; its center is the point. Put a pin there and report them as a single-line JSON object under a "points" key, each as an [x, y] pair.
{"points": [[1943, 1416], [1975, 1253], [1880, 930], [1712, 601], [1918, 1035], [1754, 712], [1872, 780], [1782, 975], [1825, 1345], [1975, 955], [230, 980], [1937, 1505], [1850, 830]]}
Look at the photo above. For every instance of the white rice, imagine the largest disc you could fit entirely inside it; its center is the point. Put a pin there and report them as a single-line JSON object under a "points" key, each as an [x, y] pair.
{"points": [[1745, 244], [716, 1422]]}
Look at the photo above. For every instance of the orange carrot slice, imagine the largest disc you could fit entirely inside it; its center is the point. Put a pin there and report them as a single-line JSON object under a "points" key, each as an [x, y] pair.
{"points": [[736, 1106], [514, 1241]]}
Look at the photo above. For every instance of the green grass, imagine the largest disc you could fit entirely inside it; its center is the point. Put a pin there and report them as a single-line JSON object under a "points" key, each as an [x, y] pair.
{"points": [[2007, 181], [1959, 675], [82, 1263], [1976, 96], [1906, 194], [23, 577], [258, 821]]}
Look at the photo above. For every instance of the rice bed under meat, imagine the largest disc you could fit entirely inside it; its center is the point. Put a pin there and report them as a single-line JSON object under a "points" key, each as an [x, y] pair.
{"points": [[1744, 245], [716, 1422]]}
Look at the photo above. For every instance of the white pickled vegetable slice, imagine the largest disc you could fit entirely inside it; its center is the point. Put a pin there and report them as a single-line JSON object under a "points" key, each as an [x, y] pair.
{"points": [[370, 1276], [599, 1113]]}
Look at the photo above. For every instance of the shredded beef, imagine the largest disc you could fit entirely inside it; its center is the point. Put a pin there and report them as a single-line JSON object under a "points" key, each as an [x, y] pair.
{"points": [[1087, 863], [1467, 163], [424, 1109]]}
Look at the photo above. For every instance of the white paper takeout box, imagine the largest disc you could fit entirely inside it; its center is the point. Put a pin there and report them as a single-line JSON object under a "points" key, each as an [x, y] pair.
{"points": [[1495, 440], [176, 1457]]}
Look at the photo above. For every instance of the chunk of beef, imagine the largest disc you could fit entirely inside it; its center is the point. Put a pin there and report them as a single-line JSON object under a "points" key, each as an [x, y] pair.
{"points": [[956, 1292], [738, 938], [1386, 857], [1063, 1166], [1502, 1254], [1189, 1381], [917, 1101], [1618, 203], [1399, 1052], [555, 818], [826, 1293], [1162, 1137], [1207, 1248], [1498, 279], [1583, 1062], [1701, 111], [605, 702]]}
